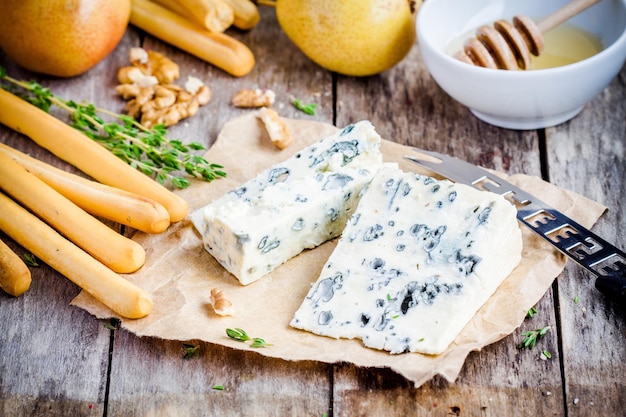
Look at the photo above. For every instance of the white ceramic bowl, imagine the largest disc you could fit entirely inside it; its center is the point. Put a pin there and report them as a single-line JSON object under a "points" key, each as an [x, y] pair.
{"points": [[520, 99]]}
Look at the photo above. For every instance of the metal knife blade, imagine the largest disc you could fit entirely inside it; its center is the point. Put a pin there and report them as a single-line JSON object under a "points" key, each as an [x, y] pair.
{"points": [[604, 260]]}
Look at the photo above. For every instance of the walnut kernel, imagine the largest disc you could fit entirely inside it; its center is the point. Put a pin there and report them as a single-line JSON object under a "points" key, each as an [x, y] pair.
{"points": [[221, 305]]}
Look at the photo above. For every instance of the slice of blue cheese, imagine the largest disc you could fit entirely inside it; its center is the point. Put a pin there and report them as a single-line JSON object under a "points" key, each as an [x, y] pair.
{"points": [[415, 262], [295, 205]]}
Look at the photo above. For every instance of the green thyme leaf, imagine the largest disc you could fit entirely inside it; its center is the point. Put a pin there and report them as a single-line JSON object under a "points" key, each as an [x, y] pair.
{"points": [[109, 326], [218, 387], [305, 108], [238, 334], [531, 312], [257, 342], [30, 259]]}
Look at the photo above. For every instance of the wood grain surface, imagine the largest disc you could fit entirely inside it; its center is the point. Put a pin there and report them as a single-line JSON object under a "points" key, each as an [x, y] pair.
{"points": [[57, 360]]}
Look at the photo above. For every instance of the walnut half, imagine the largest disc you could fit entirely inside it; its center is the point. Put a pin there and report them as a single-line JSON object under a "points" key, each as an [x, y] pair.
{"points": [[221, 305], [276, 128], [253, 98]]}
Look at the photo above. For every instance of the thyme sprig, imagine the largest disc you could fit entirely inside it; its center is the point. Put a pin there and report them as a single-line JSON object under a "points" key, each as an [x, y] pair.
{"points": [[240, 335], [148, 150], [531, 337], [189, 350]]}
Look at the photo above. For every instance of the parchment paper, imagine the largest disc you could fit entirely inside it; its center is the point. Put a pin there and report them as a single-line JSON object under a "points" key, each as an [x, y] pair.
{"points": [[180, 274]]}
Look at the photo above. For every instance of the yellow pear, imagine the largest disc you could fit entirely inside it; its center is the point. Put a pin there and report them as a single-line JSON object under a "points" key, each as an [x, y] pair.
{"points": [[351, 37], [61, 37]]}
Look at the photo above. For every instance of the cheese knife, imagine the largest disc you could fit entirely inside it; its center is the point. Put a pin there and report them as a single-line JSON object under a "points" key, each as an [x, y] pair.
{"points": [[602, 259]]}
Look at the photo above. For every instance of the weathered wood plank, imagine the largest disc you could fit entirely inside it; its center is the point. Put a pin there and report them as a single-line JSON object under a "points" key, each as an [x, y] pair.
{"points": [[53, 357], [151, 378], [588, 155]]}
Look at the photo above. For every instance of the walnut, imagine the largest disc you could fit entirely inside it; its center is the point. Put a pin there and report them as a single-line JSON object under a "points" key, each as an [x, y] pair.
{"points": [[152, 98], [162, 104], [276, 128], [221, 305], [134, 75], [149, 63], [138, 56], [254, 98], [138, 97]]}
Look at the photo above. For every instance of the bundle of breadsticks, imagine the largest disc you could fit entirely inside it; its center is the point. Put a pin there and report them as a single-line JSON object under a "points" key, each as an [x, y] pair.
{"points": [[57, 216], [197, 27]]}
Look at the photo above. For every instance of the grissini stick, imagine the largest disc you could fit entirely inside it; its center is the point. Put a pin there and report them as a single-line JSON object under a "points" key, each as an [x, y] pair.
{"points": [[246, 13], [100, 200], [15, 276], [88, 156], [116, 251], [118, 294], [219, 49]]}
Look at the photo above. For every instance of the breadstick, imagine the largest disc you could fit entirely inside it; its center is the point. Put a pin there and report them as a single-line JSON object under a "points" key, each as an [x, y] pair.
{"points": [[14, 274], [213, 15], [246, 13], [176, 7], [109, 247], [120, 295], [219, 49], [100, 200], [77, 149]]}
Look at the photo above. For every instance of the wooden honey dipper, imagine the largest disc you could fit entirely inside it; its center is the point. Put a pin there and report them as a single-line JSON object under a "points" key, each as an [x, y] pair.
{"points": [[508, 46]]}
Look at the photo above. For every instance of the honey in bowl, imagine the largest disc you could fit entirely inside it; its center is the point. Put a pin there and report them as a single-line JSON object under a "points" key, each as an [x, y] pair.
{"points": [[566, 44], [563, 45]]}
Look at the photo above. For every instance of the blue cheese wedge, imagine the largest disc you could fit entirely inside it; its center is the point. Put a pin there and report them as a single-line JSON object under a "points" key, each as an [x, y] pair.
{"points": [[415, 262], [295, 205]]}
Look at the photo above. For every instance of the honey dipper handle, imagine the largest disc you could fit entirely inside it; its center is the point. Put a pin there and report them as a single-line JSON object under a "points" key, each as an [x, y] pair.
{"points": [[563, 14]]}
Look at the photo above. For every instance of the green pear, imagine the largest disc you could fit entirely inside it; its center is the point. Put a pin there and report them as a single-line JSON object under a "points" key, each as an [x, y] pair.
{"points": [[351, 37], [61, 37]]}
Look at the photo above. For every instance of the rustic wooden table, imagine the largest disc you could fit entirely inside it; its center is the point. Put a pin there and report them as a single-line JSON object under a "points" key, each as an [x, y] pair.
{"points": [[58, 360]]}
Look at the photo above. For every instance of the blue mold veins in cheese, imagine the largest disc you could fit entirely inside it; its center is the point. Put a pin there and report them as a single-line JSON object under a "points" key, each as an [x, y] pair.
{"points": [[295, 205], [415, 262]]}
